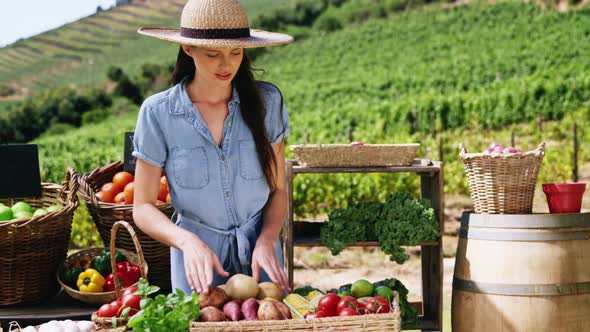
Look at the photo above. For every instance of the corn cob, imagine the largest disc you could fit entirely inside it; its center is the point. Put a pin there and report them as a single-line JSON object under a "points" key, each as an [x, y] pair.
{"points": [[314, 297], [298, 305]]}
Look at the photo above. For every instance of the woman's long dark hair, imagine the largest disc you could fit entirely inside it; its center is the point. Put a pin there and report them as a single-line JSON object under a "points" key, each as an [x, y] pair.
{"points": [[251, 104]]}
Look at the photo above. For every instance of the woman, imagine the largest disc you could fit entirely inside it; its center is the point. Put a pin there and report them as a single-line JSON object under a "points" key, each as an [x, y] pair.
{"points": [[218, 135]]}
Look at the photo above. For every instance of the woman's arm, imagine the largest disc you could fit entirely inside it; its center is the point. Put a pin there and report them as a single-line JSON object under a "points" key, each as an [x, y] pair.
{"points": [[145, 214], [264, 255], [199, 260]]}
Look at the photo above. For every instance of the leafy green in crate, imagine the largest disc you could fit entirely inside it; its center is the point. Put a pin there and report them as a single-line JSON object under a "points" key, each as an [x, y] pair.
{"points": [[401, 220]]}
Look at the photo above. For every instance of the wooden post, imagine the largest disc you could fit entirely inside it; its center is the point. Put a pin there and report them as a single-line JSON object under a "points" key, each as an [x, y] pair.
{"points": [[540, 122], [288, 227], [433, 119], [432, 260], [350, 134], [441, 152], [575, 154], [512, 140]]}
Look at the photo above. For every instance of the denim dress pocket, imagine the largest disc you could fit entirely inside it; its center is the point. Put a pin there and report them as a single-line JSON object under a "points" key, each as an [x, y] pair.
{"points": [[190, 167], [250, 168]]}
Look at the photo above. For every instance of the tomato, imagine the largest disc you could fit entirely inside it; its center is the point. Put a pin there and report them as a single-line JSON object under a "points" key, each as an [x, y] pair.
{"points": [[131, 301], [105, 196], [348, 312], [163, 180], [316, 314], [110, 187], [129, 188], [329, 304], [120, 198], [361, 308], [109, 309], [121, 179], [347, 302], [163, 192], [129, 291], [378, 305]]}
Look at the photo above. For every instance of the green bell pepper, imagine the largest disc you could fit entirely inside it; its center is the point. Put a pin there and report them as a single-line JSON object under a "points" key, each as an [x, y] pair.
{"points": [[102, 262], [70, 276]]}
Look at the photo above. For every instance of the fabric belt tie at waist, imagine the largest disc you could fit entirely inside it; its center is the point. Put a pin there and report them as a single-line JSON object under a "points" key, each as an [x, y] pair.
{"points": [[239, 245]]}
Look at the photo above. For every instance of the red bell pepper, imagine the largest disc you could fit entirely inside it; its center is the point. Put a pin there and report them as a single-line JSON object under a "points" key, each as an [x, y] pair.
{"points": [[109, 284], [128, 274]]}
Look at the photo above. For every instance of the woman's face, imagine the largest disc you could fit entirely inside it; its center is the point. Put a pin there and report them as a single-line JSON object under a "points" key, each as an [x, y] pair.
{"points": [[216, 65]]}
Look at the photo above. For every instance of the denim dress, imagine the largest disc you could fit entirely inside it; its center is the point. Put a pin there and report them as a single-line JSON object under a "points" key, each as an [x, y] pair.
{"points": [[218, 192]]}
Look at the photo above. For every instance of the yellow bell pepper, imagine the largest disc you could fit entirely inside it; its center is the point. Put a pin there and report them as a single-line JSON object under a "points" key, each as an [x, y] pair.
{"points": [[90, 281]]}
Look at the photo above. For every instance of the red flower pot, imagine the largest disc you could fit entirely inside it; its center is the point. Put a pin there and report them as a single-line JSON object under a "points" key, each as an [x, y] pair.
{"points": [[564, 197]]}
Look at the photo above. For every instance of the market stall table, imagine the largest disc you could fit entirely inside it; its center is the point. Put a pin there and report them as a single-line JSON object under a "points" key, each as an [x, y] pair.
{"points": [[59, 307]]}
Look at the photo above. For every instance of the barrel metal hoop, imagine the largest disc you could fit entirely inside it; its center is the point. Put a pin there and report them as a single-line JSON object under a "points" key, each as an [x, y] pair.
{"points": [[535, 221], [522, 289], [466, 233]]}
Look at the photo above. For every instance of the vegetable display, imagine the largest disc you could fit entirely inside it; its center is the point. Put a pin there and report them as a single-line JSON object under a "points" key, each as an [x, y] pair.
{"points": [[91, 273], [401, 220]]}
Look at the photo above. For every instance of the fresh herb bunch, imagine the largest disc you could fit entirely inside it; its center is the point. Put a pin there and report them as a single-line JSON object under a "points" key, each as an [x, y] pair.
{"points": [[348, 226], [401, 220], [171, 313], [405, 220]]}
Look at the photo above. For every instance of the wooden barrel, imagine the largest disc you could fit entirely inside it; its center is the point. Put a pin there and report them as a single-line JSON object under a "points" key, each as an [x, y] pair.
{"points": [[522, 273]]}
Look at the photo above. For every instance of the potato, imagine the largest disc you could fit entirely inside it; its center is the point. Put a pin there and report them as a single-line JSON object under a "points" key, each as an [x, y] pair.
{"points": [[232, 310], [283, 309], [268, 311], [241, 287], [215, 297], [269, 289], [212, 314], [250, 309]]}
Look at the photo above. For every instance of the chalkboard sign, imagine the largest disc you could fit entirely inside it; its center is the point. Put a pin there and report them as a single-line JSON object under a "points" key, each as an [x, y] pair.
{"points": [[129, 160], [19, 171]]}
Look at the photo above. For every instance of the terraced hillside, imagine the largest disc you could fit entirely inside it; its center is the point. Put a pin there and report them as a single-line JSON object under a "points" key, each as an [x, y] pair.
{"points": [[79, 53]]}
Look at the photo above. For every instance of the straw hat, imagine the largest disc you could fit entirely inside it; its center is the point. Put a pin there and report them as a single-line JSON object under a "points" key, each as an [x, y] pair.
{"points": [[216, 23]]}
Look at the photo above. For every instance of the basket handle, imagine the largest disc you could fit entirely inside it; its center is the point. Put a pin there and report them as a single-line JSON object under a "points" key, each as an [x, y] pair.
{"points": [[462, 149], [69, 188], [85, 187], [142, 264], [540, 148]]}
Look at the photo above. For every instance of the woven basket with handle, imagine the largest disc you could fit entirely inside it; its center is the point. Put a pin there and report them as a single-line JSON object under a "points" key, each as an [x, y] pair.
{"points": [[364, 323], [157, 255], [107, 323], [503, 183], [32, 249]]}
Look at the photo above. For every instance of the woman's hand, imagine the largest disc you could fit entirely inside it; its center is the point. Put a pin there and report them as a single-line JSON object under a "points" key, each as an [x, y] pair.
{"points": [[265, 257], [199, 262]]}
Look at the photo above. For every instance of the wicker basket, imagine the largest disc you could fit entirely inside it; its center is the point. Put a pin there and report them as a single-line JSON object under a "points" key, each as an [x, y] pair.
{"points": [[157, 255], [346, 155], [390, 322], [107, 323], [503, 183], [31, 249], [103, 297]]}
